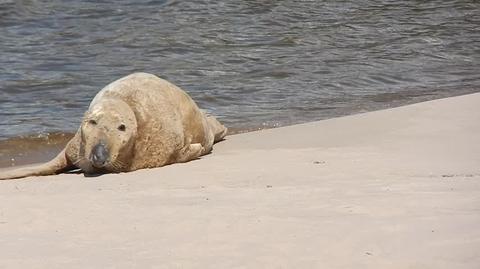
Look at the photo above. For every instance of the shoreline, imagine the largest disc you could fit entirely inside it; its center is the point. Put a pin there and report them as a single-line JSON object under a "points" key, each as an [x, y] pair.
{"points": [[394, 188], [31, 149]]}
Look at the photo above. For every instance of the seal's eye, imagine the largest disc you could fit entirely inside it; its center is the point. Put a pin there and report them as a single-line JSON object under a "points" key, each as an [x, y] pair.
{"points": [[122, 127], [92, 122]]}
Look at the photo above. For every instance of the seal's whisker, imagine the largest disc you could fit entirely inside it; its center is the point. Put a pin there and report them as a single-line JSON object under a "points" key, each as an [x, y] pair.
{"points": [[78, 161], [122, 163], [119, 162], [117, 165]]}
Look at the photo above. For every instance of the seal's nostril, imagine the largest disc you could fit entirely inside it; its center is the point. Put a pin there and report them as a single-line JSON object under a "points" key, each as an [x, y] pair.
{"points": [[99, 155]]}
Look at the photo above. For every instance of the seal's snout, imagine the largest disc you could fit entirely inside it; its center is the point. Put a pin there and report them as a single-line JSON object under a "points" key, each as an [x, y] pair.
{"points": [[99, 155]]}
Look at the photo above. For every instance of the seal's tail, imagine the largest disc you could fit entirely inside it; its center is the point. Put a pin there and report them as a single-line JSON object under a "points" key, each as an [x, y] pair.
{"points": [[218, 129]]}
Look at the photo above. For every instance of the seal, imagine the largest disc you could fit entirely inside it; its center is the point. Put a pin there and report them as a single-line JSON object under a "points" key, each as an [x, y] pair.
{"points": [[138, 121]]}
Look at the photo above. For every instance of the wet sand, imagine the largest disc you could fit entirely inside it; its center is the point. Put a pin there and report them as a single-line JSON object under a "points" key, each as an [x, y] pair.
{"points": [[20, 151], [397, 188]]}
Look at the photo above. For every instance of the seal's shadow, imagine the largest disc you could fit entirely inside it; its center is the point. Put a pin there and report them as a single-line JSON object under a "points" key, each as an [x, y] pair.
{"points": [[79, 171], [93, 174]]}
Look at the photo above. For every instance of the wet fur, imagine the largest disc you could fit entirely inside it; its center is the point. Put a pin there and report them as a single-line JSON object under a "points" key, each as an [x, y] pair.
{"points": [[163, 126]]}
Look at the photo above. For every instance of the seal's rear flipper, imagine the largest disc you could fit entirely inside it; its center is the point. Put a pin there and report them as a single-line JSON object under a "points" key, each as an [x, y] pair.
{"points": [[219, 131], [57, 165]]}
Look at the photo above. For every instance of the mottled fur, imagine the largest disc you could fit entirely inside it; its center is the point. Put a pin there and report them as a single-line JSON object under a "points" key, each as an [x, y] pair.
{"points": [[163, 125]]}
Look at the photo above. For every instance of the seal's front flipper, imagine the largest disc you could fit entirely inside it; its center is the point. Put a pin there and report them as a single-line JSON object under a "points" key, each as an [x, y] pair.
{"points": [[57, 165], [190, 152]]}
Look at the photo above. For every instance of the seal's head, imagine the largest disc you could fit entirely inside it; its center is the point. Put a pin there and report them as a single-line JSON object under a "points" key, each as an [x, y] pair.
{"points": [[108, 133]]}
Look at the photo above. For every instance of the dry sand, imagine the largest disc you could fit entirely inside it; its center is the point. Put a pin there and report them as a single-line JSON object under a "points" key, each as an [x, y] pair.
{"points": [[398, 188]]}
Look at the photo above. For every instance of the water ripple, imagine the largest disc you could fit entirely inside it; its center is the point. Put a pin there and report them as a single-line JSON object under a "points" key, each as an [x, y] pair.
{"points": [[253, 63]]}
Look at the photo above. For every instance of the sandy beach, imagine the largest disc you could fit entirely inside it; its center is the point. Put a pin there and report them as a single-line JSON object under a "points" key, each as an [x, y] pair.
{"points": [[397, 188]]}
